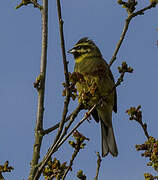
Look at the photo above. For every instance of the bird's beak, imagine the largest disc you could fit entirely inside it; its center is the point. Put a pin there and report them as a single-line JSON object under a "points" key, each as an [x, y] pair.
{"points": [[71, 51]]}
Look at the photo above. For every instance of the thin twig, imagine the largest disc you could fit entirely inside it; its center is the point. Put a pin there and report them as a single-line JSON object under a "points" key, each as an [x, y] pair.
{"points": [[125, 28], [80, 122], [136, 114], [36, 4], [98, 165], [40, 106], [70, 164], [79, 144], [141, 12], [49, 130], [143, 125], [66, 73]]}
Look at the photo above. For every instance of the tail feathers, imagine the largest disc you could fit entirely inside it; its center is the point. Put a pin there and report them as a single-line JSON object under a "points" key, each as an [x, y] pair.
{"points": [[108, 140], [105, 148]]}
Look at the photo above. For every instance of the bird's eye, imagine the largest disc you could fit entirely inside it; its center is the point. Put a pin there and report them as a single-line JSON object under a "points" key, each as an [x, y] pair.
{"points": [[78, 47]]}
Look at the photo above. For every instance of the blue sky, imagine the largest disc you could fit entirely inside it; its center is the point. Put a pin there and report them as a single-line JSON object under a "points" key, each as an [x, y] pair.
{"points": [[20, 46]]}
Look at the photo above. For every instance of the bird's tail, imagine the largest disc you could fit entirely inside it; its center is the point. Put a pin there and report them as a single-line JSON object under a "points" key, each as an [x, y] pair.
{"points": [[108, 140], [107, 133]]}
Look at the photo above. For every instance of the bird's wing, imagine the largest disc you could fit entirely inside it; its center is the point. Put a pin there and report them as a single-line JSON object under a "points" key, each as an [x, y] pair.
{"points": [[115, 93], [115, 98]]}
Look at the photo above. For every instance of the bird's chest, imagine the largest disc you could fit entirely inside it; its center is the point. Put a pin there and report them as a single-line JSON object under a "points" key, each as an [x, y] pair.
{"points": [[95, 85]]}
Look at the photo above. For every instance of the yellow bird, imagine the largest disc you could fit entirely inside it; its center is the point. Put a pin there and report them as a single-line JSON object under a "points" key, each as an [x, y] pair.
{"points": [[95, 83]]}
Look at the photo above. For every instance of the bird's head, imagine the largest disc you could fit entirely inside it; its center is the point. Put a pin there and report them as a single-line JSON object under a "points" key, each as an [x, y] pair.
{"points": [[85, 48]]}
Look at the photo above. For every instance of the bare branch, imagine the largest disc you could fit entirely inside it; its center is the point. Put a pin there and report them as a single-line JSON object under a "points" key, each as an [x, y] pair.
{"points": [[80, 122], [49, 130], [125, 28], [41, 90], [77, 145], [66, 73]]}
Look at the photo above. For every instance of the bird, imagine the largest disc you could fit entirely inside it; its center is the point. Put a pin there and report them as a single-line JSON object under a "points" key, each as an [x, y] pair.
{"points": [[96, 83]]}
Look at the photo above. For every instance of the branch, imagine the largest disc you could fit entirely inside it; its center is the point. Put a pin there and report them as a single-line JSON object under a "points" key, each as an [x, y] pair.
{"points": [[98, 165], [55, 146], [71, 163], [86, 116], [66, 73], [141, 12], [77, 145], [49, 130], [41, 90], [125, 28], [136, 114]]}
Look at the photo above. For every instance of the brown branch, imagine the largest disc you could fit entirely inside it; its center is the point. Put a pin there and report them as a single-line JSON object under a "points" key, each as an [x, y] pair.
{"points": [[77, 145], [86, 116], [55, 146], [125, 28], [71, 163], [98, 165], [141, 12], [41, 90], [49, 130], [144, 126], [66, 73]]}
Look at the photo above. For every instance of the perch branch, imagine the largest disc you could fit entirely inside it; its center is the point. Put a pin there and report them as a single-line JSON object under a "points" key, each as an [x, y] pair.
{"points": [[49, 130]]}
